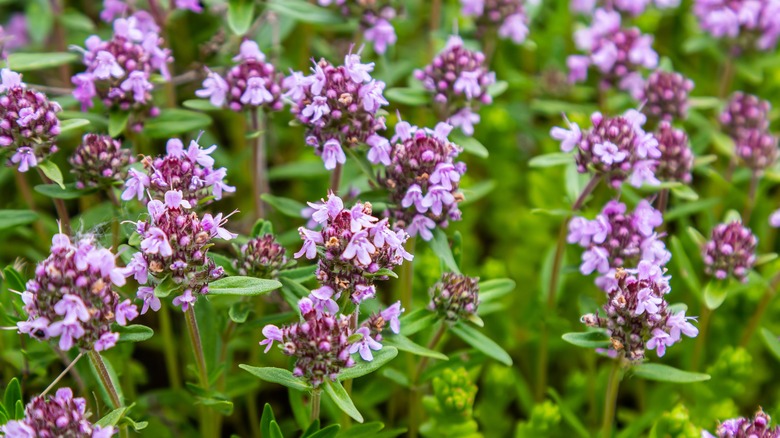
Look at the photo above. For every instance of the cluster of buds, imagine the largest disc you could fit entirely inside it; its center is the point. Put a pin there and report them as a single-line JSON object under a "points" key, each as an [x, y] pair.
{"points": [[616, 239], [630, 7], [744, 24], [508, 16], [422, 177], [354, 248], [637, 315], [377, 323], [374, 17], [676, 161], [174, 247], [459, 79], [100, 161], [617, 53], [339, 107], [28, 122], [757, 427], [746, 120], [59, 416], [615, 147], [262, 257], [454, 297], [251, 83], [319, 342], [665, 96], [731, 250], [119, 70], [120, 8], [190, 171], [71, 296]]}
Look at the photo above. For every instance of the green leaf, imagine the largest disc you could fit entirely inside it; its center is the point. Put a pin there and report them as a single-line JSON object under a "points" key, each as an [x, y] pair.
{"points": [[134, 333], [703, 102], [685, 193], [762, 259], [697, 237], [441, 247], [568, 416], [277, 375], [403, 343], [684, 266], [469, 144], [200, 105], [165, 287], [19, 410], [301, 274], [13, 393], [52, 171], [266, 419], [22, 62], [112, 418], [243, 286], [592, 339], [174, 121], [723, 143], [689, 208], [491, 290], [417, 320], [715, 293], [12, 277], [286, 206], [117, 122], [498, 88], [69, 191], [239, 312], [477, 191], [476, 339], [384, 272], [274, 430], [304, 12], [551, 160], [772, 342], [362, 367], [72, 124], [339, 396], [326, 432], [665, 373], [13, 218], [408, 96], [362, 430], [240, 15]]}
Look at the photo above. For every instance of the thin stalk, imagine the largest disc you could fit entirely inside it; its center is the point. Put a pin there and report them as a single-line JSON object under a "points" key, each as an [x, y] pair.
{"points": [[335, 179], [254, 419], [431, 346], [701, 339], [541, 369], [259, 160], [434, 21], [346, 420], [105, 378], [610, 398], [62, 374], [315, 404], [414, 403], [763, 304], [115, 220], [169, 348], [727, 78], [59, 204], [29, 199], [751, 199], [207, 421], [663, 200]]}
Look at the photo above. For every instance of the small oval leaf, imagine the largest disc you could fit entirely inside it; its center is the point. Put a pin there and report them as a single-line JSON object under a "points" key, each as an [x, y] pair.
{"points": [[277, 375], [244, 286], [592, 339], [665, 373]]}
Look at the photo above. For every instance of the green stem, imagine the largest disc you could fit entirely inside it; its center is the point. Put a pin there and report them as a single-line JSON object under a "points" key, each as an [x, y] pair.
{"points": [[108, 383], [431, 346], [751, 199], [315, 405], [207, 422], [406, 277], [414, 404], [335, 179], [259, 160], [170, 348], [346, 420], [59, 204], [62, 374], [610, 398], [701, 339], [541, 367], [763, 304], [27, 194]]}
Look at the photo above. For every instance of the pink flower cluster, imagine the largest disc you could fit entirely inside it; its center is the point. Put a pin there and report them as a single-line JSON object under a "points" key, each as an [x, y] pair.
{"points": [[631, 7], [746, 119], [100, 161], [731, 250], [616, 147], [507, 16], [676, 161], [454, 296], [665, 96], [616, 52], [757, 427], [251, 83], [71, 296], [637, 316], [374, 17], [353, 248], [339, 106], [262, 257], [459, 79], [174, 248], [59, 416], [28, 122], [119, 70], [744, 24], [422, 177], [190, 171]]}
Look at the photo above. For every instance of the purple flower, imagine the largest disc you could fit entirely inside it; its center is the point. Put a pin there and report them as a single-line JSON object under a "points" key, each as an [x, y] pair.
{"points": [[363, 292], [10, 80], [382, 34], [106, 66], [414, 197], [357, 71], [256, 93], [392, 314], [85, 89], [249, 51], [150, 300], [138, 83], [678, 323], [214, 88], [72, 308], [422, 225], [658, 342], [359, 247], [68, 331], [371, 94], [156, 242], [317, 109], [25, 158], [213, 225], [468, 83], [464, 119], [609, 153], [125, 311], [365, 345], [271, 333], [322, 300], [445, 175], [310, 241], [646, 218], [594, 259], [359, 219], [437, 198], [774, 219], [647, 301], [192, 5], [333, 154], [514, 28], [107, 340], [135, 186], [113, 8], [379, 151], [185, 300], [327, 209]]}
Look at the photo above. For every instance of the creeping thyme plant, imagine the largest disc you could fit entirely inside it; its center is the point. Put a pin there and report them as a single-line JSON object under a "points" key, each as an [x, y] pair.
{"points": [[385, 218]]}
